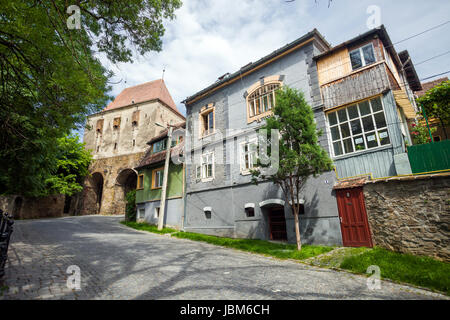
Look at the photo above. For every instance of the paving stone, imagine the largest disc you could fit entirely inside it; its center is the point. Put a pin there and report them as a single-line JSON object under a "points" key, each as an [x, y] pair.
{"points": [[120, 263]]}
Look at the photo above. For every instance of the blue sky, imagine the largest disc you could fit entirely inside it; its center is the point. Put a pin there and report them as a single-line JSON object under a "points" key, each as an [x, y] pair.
{"points": [[212, 37]]}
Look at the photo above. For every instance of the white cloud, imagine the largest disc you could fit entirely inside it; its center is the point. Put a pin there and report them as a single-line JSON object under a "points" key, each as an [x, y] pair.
{"points": [[210, 38]]}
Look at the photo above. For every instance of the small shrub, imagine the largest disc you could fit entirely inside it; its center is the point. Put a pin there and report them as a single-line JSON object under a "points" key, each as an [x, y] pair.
{"points": [[130, 211]]}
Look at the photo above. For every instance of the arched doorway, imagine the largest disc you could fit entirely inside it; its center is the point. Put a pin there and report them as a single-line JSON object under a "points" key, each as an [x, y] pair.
{"points": [[93, 194], [125, 182], [276, 219], [18, 201], [97, 185]]}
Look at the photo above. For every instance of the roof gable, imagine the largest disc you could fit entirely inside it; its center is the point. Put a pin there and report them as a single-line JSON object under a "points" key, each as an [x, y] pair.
{"points": [[143, 92]]}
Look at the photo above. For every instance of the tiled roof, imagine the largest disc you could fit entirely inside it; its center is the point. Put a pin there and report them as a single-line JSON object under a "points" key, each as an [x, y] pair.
{"points": [[144, 92], [350, 183], [163, 134], [150, 159], [430, 85]]}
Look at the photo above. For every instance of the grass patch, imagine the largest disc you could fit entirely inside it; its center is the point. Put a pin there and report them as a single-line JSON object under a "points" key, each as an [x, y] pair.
{"points": [[417, 270], [335, 258], [147, 227], [278, 250]]}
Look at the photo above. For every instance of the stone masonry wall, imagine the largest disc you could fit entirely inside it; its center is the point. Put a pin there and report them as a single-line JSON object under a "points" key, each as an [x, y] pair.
{"points": [[411, 216], [113, 199], [33, 208]]}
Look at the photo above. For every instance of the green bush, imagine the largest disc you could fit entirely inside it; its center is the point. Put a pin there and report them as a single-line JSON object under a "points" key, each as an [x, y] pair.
{"points": [[130, 211]]}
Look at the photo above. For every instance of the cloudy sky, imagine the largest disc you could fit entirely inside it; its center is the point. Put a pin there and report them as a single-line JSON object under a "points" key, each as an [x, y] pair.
{"points": [[211, 37]]}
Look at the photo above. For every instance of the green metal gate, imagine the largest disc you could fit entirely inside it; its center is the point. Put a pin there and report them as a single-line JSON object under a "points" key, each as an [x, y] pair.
{"points": [[430, 157]]}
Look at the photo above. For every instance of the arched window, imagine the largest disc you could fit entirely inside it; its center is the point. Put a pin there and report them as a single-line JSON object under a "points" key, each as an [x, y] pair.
{"points": [[261, 101]]}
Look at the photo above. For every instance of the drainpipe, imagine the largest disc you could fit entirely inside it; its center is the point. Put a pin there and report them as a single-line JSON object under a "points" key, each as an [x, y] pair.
{"points": [[183, 220]]}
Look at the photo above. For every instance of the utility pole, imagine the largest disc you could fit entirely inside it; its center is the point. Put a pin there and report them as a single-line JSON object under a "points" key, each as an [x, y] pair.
{"points": [[162, 207]]}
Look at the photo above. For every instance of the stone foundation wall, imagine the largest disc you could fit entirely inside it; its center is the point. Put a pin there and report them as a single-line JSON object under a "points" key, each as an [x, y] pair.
{"points": [[411, 216], [33, 208]]}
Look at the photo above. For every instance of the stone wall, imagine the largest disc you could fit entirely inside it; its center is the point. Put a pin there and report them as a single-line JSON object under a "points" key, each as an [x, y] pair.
{"points": [[411, 215], [33, 208], [113, 197]]}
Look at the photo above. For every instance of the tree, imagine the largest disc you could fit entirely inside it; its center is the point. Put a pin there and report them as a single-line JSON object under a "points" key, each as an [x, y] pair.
{"points": [[436, 103], [51, 76], [300, 155], [71, 163]]}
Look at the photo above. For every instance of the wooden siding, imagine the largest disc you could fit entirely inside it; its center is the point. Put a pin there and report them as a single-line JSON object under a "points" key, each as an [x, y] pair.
{"points": [[378, 163], [358, 86], [334, 66]]}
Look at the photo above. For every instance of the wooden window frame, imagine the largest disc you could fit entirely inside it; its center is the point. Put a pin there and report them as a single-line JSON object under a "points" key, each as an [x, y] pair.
{"points": [[242, 153], [363, 133], [202, 169], [116, 123], [253, 89], [140, 186], [206, 110], [363, 60], [154, 171], [154, 143]]}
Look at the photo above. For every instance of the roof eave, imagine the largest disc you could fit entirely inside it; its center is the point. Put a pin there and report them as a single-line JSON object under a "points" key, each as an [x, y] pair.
{"points": [[310, 35]]}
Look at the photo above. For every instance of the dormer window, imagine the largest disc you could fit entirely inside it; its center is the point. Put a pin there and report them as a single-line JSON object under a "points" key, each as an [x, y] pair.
{"points": [[362, 56], [159, 146]]}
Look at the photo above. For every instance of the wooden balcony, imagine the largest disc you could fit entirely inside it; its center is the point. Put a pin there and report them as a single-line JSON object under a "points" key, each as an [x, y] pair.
{"points": [[358, 85]]}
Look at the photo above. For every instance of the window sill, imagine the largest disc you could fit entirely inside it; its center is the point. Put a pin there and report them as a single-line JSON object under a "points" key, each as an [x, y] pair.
{"points": [[204, 180], [247, 172], [260, 117], [207, 135], [358, 153], [156, 188]]}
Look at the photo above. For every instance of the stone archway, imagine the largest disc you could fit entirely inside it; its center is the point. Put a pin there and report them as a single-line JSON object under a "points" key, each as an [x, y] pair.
{"points": [[125, 182], [17, 208], [93, 194]]}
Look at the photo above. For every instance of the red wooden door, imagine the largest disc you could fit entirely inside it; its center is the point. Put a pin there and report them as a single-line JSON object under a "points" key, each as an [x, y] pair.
{"points": [[277, 224], [353, 216]]}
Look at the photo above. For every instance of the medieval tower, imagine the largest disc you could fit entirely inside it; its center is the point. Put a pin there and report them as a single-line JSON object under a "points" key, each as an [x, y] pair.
{"points": [[117, 138]]}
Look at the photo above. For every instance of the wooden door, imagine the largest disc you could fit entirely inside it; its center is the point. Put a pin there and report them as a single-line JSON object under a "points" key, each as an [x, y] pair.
{"points": [[277, 224], [353, 216]]}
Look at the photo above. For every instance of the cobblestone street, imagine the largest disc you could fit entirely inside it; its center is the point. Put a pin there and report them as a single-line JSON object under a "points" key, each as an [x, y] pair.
{"points": [[120, 263]]}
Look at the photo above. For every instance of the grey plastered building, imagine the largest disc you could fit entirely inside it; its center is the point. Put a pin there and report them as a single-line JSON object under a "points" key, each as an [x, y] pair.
{"points": [[221, 124]]}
